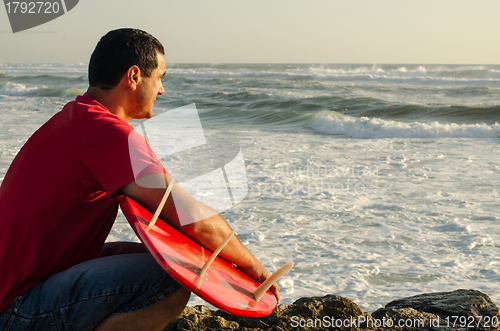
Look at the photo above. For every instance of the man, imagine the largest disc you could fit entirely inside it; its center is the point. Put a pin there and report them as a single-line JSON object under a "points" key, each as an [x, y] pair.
{"points": [[59, 199]]}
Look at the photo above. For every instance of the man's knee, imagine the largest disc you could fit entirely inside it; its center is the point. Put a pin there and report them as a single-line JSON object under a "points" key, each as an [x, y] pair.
{"points": [[155, 317]]}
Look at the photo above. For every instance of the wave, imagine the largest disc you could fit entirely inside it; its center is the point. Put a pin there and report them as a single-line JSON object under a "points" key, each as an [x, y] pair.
{"points": [[412, 72], [44, 79], [427, 73], [458, 105], [34, 69], [490, 73], [334, 123], [451, 113], [17, 89], [261, 93], [272, 120]]}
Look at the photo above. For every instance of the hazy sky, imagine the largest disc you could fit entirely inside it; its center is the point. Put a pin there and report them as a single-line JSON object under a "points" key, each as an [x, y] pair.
{"points": [[283, 31]]}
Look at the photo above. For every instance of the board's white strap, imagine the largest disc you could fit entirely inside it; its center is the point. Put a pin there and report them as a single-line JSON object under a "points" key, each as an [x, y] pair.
{"points": [[259, 292], [162, 203]]}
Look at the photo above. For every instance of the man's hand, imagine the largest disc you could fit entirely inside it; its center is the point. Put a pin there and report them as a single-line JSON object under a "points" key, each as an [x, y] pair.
{"points": [[260, 274]]}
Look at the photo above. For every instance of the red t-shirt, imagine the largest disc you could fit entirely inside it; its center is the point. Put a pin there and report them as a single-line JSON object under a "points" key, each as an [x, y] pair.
{"points": [[59, 198]]}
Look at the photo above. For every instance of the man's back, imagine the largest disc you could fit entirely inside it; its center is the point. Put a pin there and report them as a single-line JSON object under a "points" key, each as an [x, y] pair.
{"points": [[55, 196]]}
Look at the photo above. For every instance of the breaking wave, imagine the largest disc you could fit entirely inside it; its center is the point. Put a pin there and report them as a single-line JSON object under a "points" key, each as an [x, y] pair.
{"points": [[331, 122]]}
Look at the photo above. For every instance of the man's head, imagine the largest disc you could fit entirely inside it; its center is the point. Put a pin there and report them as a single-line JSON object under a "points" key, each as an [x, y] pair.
{"points": [[117, 51]]}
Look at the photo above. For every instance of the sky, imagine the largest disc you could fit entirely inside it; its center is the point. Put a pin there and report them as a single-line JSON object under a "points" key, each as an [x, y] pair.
{"points": [[272, 31]]}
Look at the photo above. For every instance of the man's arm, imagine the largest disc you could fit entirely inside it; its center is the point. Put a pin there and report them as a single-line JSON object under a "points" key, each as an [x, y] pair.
{"points": [[208, 231]]}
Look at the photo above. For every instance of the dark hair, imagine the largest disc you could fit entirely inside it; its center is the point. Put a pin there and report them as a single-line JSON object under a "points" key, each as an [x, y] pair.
{"points": [[117, 51]]}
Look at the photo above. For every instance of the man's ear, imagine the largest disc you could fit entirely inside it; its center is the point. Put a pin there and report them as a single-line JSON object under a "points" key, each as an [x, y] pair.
{"points": [[133, 77]]}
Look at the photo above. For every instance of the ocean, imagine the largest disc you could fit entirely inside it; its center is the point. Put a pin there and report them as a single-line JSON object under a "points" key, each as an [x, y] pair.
{"points": [[379, 181]]}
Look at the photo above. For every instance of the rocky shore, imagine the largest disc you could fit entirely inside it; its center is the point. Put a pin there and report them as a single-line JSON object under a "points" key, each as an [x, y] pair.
{"points": [[443, 311]]}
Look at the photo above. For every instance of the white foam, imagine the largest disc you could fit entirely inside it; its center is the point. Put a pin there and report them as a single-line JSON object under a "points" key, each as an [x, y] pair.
{"points": [[18, 89], [334, 123], [404, 74]]}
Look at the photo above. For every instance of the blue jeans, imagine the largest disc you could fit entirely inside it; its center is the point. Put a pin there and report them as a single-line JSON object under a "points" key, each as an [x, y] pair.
{"points": [[81, 297]]}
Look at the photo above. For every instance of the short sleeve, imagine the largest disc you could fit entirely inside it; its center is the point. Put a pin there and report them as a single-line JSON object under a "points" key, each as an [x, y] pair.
{"points": [[115, 155]]}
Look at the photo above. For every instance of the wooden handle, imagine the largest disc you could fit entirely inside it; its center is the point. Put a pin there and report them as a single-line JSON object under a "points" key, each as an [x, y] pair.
{"points": [[162, 203], [259, 292]]}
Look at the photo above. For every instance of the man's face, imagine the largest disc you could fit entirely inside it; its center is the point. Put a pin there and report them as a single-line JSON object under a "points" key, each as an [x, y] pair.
{"points": [[148, 89]]}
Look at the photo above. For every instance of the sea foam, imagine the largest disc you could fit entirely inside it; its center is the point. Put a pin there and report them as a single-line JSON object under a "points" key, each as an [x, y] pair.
{"points": [[335, 123], [18, 89]]}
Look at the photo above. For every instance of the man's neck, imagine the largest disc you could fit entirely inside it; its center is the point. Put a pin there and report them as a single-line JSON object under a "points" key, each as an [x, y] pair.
{"points": [[111, 99]]}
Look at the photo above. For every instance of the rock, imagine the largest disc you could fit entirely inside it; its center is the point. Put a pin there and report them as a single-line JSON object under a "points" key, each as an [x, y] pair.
{"points": [[190, 319], [430, 311], [305, 312], [331, 309], [408, 318], [460, 308]]}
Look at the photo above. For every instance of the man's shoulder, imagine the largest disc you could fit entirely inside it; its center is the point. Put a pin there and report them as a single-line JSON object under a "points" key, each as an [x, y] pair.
{"points": [[79, 120], [86, 111], [87, 105]]}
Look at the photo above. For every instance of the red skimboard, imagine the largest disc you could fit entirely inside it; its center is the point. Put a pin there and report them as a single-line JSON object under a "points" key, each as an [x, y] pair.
{"points": [[223, 285]]}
